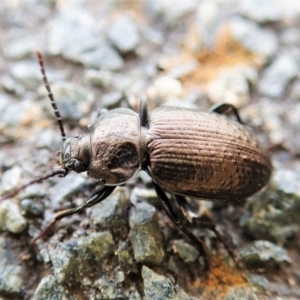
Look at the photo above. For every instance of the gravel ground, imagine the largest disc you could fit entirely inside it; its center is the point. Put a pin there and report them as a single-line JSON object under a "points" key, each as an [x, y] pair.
{"points": [[105, 54]]}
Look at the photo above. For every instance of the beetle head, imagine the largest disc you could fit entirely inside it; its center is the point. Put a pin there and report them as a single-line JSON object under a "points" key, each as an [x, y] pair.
{"points": [[75, 154]]}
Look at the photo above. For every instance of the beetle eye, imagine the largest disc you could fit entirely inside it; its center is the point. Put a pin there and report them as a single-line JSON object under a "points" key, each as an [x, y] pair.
{"points": [[67, 153], [79, 166]]}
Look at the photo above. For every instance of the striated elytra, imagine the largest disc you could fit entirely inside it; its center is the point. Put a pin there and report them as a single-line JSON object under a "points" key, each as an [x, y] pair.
{"points": [[186, 152]]}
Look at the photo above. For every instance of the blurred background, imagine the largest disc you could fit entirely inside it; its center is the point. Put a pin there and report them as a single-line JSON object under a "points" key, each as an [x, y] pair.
{"points": [[109, 53]]}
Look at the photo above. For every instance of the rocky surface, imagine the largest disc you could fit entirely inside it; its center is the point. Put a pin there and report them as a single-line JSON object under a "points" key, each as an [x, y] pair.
{"points": [[101, 56]]}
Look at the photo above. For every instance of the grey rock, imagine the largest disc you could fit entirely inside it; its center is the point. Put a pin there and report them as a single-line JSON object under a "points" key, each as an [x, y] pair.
{"points": [[145, 235], [261, 11], [11, 218], [49, 288], [125, 257], [261, 42], [185, 251], [26, 73], [75, 258], [210, 17], [166, 88], [124, 34], [276, 77], [259, 280], [135, 296], [264, 254], [112, 212], [112, 100], [99, 78], [10, 179], [32, 207], [274, 214], [18, 113], [19, 48], [170, 13], [10, 85], [12, 275], [109, 288], [159, 287], [86, 46], [65, 188], [74, 100], [290, 36], [233, 86], [239, 293]]}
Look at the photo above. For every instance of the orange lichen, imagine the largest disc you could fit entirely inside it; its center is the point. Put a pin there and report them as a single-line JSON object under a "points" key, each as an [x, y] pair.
{"points": [[227, 52], [220, 279]]}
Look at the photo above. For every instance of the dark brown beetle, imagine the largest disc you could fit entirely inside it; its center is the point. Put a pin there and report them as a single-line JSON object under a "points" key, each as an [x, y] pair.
{"points": [[186, 152]]}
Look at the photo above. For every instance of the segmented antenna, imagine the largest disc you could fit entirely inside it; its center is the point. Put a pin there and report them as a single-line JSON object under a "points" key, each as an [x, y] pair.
{"points": [[50, 95], [60, 173]]}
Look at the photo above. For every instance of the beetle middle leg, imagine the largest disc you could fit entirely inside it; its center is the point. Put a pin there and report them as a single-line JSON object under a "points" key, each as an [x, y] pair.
{"points": [[193, 219], [176, 219], [97, 196], [225, 108]]}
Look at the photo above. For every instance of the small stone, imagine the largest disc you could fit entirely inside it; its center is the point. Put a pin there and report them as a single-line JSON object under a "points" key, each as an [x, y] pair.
{"points": [[112, 100], [49, 288], [27, 74], [278, 75], [10, 180], [75, 100], [112, 212], [86, 46], [259, 280], [124, 35], [11, 218], [185, 251], [274, 214], [264, 254], [232, 86], [101, 78], [19, 48], [12, 275], [145, 234], [157, 287], [261, 11], [65, 188], [166, 88], [120, 276], [253, 38], [170, 13], [125, 257], [108, 288], [72, 259], [32, 207]]}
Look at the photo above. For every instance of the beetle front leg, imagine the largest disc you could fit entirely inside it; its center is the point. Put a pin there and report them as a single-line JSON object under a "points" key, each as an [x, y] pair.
{"points": [[97, 196], [175, 218], [193, 219], [225, 108]]}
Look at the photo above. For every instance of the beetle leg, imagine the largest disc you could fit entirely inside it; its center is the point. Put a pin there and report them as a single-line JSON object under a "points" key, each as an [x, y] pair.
{"points": [[193, 219], [97, 196], [225, 108], [143, 111], [175, 218]]}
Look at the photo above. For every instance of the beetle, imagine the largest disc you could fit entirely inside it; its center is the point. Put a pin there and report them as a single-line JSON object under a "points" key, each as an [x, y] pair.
{"points": [[187, 153]]}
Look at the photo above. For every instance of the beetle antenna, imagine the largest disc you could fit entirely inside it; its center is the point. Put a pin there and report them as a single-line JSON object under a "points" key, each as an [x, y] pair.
{"points": [[60, 173], [50, 95]]}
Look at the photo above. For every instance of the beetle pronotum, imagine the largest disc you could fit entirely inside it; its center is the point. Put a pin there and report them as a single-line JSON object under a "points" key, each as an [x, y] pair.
{"points": [[186, 152]]}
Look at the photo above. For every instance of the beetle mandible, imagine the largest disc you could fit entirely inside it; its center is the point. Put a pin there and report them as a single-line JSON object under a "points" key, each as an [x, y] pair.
{"points": [[186, 152]]}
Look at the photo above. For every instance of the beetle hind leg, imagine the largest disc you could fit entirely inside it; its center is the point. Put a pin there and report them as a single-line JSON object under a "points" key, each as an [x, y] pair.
{"points": [[225, 108], [199, 243], [195, 220]]}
